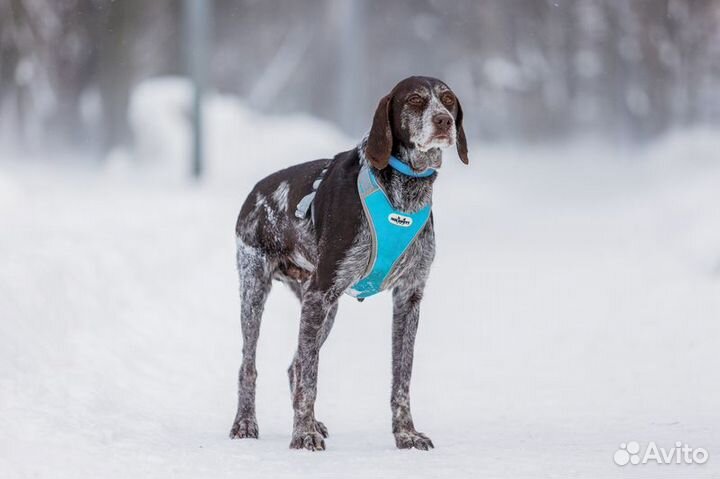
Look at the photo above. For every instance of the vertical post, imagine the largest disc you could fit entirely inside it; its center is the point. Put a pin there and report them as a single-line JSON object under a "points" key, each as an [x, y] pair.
{"points": [[196, 17], [352, 64]]}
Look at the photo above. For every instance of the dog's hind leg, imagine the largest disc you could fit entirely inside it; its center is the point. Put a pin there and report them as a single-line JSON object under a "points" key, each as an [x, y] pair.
{"points": [[294, 369], [255, 281]]}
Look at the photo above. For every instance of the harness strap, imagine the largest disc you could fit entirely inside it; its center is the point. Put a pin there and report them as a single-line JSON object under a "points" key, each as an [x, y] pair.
{"points": [[407, 170], [306, 203], [392, 232]]}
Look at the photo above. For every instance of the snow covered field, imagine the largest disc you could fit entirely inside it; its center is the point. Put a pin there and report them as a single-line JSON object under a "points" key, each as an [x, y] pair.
{"points": [[574, 305]]}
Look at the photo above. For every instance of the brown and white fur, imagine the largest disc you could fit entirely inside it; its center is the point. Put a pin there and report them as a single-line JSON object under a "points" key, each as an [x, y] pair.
{"points": [[320, 257]]}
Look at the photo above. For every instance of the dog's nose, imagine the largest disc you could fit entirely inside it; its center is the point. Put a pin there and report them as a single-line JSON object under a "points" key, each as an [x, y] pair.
{"points": [[443, 120]]}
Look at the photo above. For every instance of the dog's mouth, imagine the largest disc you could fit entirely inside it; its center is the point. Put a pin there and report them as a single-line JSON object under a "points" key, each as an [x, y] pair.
{"points": [[444, 139], [442, 144], [441, 140]]}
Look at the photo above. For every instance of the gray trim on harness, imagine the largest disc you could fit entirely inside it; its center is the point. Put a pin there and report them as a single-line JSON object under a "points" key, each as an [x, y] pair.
{"points": [[304, 205]]}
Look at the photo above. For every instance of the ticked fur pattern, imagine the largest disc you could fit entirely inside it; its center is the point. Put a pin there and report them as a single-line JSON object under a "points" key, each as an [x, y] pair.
{"points": [[319, 260]]}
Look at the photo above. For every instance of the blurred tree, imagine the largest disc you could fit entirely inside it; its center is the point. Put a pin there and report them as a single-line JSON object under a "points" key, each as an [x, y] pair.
{"points": [[70, 63], [524, 69], [116, 33]]}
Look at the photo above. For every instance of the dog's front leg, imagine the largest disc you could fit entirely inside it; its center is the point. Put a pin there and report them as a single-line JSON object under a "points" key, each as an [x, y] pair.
{"points": [[406, 314], [315, 308]]}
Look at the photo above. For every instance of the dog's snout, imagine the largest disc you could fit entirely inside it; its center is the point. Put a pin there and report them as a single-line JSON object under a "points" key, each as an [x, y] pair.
{"points": [[443, 121]]}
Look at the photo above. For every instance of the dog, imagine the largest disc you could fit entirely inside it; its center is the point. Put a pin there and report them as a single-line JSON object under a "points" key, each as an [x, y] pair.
{"points": [[321, 254]]}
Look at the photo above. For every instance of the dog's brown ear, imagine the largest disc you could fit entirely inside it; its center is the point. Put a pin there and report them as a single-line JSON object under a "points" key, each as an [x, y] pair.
{"points": [[379, 144], [461, 141]]}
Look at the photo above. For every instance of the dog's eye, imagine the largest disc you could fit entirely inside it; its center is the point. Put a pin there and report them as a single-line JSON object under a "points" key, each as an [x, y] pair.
{"points": [[448, 99], [416, 100]]}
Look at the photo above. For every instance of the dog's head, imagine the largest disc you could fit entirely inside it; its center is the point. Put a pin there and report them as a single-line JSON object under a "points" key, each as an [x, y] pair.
{"points": [[419, 113]]}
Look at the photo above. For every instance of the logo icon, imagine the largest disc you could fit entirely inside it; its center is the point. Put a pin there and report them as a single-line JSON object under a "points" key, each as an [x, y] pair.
{"points": [[629, 453], [400, 220]]}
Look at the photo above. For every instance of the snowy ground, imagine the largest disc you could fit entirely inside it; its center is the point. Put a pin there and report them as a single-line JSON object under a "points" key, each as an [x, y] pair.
{"points": [[574, 305]]}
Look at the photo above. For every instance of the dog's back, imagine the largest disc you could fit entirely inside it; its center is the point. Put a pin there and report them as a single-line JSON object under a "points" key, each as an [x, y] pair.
{"points": [[267, 216]]}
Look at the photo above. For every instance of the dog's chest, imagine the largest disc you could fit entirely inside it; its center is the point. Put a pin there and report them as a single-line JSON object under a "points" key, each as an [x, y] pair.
{"points": [[411, 266], [392, 232]]}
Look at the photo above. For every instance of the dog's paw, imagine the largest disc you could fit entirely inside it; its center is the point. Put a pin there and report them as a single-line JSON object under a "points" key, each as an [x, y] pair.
{"points": [[410, 439], [312, 441], [320, 427], [244, 428]]}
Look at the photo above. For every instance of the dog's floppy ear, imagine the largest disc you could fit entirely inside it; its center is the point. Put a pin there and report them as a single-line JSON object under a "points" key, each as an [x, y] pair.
{"points": [[380, 143], [461, 141]]}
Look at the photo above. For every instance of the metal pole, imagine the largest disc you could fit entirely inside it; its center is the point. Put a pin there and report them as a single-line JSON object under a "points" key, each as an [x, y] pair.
{"points": [[352, 66], [196, 14]]}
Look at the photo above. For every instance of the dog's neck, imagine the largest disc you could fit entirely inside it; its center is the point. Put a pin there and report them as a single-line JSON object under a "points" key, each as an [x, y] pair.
{"points": [[406, 193]]}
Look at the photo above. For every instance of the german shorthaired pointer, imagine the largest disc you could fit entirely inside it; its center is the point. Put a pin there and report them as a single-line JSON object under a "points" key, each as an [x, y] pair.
{"points": [[321, 255]]}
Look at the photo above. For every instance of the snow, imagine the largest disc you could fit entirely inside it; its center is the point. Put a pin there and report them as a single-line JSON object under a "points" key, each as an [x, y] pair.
{"points": [[573, 306]]}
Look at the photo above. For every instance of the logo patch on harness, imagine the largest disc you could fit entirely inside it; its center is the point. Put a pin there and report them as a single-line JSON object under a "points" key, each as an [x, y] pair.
{"points": [[400, 220]]}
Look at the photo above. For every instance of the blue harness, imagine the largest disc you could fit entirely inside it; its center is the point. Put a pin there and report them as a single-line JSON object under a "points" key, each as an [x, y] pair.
{"points": [[392, 230]]}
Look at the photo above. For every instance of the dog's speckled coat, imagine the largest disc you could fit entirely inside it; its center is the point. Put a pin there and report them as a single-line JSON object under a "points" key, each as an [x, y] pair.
{"points": [[320, 259]]}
